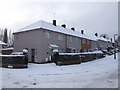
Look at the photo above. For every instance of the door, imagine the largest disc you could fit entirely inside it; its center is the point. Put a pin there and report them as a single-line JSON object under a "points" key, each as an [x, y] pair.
{"points": [[33, 55]]}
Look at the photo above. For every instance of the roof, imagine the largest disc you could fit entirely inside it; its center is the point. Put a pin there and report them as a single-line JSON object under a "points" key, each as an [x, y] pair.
{"points": [[104, 39], [100, 38], [2, 43], [51, 27]]}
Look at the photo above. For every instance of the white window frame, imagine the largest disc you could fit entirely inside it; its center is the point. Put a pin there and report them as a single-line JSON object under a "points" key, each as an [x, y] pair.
{"points": [[77, 40], [83, 41], [60, 37], [88, 42], [71, 39], [47, 34]]}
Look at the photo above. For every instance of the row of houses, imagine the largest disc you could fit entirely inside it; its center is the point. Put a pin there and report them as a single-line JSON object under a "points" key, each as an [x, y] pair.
{"points": [[42, 38]]}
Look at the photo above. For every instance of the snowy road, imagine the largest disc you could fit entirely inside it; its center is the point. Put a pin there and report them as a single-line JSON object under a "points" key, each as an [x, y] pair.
{"points": [[102, 73]]}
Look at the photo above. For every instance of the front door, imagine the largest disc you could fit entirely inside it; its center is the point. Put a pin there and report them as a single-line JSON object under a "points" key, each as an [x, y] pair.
{"points": [[32, 55]]}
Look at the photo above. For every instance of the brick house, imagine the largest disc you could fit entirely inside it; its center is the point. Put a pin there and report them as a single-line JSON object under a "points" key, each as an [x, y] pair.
{"points": [[42, 37]]}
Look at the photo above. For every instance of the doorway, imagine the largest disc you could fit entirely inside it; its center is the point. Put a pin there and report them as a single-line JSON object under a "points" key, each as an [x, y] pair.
{"points": [[33, 55]]}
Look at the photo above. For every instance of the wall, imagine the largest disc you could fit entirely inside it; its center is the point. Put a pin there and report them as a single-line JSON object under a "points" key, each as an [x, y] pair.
{"points": [[36, 39], [0, 57], [30, 40], [102, 44], [94, 45], [85, 45], [52, 40], [74, 42]]}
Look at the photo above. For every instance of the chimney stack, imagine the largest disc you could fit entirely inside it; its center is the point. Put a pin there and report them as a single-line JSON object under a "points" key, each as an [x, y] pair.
{"points": [[54, 22], [104, 36], [73, 28], [63, 25], [82, 31], [96, 34]]}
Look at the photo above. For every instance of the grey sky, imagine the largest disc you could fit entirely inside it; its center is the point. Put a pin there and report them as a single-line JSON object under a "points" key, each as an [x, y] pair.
{"points": [[101, 17]]}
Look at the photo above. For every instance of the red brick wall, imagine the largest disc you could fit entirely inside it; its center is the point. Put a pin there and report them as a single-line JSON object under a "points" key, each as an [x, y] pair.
{"points": [[85, 44]]}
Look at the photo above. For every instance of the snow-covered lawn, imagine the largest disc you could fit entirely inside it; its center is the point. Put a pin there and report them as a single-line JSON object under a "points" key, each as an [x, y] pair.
{"points": [[102, 73]]}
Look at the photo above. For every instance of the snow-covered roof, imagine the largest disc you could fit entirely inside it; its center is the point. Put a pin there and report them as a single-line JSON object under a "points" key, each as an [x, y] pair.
{"points": [[51, 27], [100, 38], [104, 39], [2, 43]]}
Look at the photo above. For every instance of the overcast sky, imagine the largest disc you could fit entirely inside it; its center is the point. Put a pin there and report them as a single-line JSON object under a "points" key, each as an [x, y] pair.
{"points": [[101, 17]]}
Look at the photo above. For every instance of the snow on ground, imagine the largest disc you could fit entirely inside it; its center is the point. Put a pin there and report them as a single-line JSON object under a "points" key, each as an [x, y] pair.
{"points": [[102, 73]]}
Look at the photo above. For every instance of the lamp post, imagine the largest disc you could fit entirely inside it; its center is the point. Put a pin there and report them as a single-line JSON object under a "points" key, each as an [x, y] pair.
{"points": [[115, 46]]}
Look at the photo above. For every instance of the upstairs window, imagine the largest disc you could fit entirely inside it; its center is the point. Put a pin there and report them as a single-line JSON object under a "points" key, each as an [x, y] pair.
{"points": [[83, 41], [60, 37], [77, 40], [47, 34], [88, 42], [71, 39]]}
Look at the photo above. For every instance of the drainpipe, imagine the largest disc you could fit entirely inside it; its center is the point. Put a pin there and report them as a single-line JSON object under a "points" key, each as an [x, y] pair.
{"points": [[66, 43]]}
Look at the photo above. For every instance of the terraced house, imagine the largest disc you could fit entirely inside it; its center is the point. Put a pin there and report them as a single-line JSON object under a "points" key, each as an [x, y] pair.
{"points": [[41, 38]]}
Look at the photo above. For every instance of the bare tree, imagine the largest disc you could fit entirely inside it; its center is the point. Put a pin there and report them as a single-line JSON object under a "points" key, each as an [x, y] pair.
{"points": [[5, 38], [10, 38], [1, 34]]}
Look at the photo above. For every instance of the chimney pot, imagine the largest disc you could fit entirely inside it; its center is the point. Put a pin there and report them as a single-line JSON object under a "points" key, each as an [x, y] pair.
{"points": [[73, 28], [104, 36], [82, 31], [54, 22], [96, 34], [63, 25]]}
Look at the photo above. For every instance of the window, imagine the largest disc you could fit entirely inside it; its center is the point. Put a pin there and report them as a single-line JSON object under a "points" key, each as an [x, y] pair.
{"points": [[88, 42], [77, 39], [83, 41], [47, 34], [71, 39], [16, 36], [60, 37]]}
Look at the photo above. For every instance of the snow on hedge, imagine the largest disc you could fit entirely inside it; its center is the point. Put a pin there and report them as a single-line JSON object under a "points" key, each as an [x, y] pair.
{"points": [[94, 52], [11, 48], [11, 55]]}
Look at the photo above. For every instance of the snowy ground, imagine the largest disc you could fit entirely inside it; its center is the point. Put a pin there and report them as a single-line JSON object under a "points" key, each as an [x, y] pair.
{"points": [[102, 73]]}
